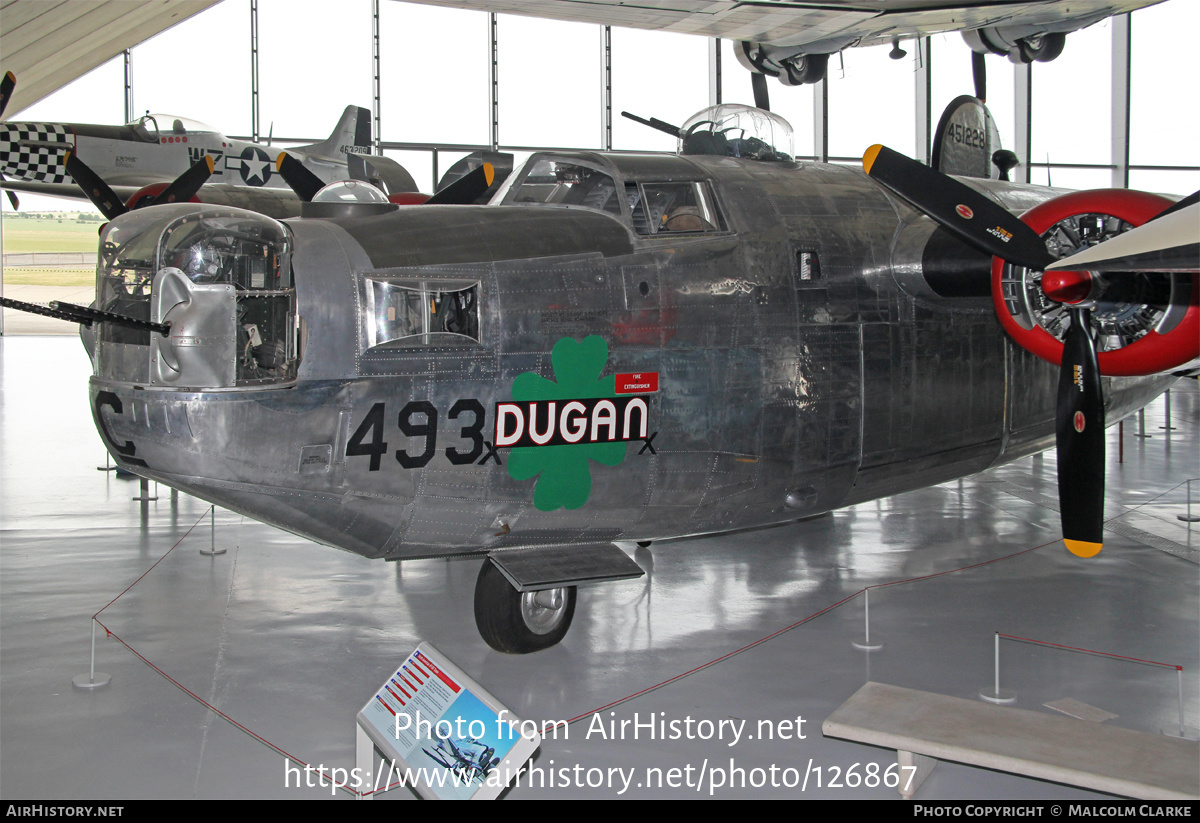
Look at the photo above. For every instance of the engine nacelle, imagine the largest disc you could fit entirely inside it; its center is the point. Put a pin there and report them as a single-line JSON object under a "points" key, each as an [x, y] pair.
{"points": [[149, 193], [1148, 322]]}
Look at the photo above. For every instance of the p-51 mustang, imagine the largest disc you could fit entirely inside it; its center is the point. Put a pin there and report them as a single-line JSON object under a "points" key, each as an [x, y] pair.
{"points": [[622, 347], [138, 160]]}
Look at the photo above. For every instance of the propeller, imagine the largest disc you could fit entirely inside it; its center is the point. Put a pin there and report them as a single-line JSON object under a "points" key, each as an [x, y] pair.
{"points": [[182, 188], [298, 177], [6, 89], [1168, 242], [103, 197], [466, 189], [1079, 419], [958, 208]]}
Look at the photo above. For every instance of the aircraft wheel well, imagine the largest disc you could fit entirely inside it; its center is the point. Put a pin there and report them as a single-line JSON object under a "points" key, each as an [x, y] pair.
{"points": [[516, 622]]}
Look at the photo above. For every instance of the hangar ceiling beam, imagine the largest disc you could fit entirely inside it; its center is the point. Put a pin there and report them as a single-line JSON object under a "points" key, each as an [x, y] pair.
{"points": [[35, 34]]}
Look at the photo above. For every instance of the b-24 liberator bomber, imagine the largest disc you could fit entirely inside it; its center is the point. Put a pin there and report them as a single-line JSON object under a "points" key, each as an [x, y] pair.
{"points": [[622, 347]]}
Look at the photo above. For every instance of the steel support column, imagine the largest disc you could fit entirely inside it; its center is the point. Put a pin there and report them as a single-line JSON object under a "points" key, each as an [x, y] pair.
{"points": [[128, 86], [1121, 31], [254, 130], [606, 120], [821, 120], [1023, 113], [376, 88], [924, 85], [714, 71], [494, 131]]}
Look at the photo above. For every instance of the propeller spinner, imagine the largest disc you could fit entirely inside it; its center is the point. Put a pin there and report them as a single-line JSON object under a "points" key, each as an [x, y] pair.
{"points": [[1164, 339]]}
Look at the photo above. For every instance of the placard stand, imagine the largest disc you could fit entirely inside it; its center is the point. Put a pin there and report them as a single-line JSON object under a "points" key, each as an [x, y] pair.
{"points": [[440, 733]]}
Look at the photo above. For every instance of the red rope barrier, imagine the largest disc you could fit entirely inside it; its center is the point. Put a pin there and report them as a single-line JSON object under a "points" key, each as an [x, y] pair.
{"points": [[1090, 651]]}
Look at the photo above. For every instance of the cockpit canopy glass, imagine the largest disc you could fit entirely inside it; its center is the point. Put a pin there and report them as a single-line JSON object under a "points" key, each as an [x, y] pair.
{"points": [[233, 246], [559, 181], [735, 130], [151, 127]]}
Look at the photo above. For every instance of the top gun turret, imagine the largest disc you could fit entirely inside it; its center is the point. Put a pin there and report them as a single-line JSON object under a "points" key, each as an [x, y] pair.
{"points": [[731, 130]]}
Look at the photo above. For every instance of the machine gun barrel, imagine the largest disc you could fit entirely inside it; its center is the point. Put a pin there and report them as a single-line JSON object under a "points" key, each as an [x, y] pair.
{"points": [[655, 123], [88, 315], [84, 315], [34, 308]]}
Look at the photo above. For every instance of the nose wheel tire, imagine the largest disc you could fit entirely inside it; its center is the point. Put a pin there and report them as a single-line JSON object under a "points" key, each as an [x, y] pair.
{"points": [[516, 622]]}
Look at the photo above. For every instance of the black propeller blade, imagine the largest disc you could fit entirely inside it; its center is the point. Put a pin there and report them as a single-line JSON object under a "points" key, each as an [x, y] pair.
{"points": [[960, 209], [185, 186], [298, 177], [6, 89], [182, 188], [1079, 437], [466, 189], [94, 187], [1079, 419]]}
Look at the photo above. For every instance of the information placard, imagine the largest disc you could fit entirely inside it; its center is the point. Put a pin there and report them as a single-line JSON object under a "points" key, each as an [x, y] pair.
{"points": [[442, 733]]}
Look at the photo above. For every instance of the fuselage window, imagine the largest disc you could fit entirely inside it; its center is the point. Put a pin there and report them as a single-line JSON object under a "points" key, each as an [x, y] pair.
{"points": [[671, 208], [423, 313]]}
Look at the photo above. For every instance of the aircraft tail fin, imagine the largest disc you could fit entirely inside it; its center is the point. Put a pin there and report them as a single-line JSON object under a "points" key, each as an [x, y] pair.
{"points": [[352, 135], [967, 142]]}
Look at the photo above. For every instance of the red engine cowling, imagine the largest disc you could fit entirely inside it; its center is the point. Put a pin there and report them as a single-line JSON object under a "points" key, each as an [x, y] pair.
{"points": [[1135, 344], [150, 192]]}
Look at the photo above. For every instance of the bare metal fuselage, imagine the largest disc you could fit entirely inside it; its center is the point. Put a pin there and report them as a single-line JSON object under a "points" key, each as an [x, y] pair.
{"points": [[801, 361]]}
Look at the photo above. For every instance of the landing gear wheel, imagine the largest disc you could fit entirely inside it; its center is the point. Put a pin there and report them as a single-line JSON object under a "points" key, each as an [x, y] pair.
{"points": [[516, 622], [804, 68], [1040, 47]]}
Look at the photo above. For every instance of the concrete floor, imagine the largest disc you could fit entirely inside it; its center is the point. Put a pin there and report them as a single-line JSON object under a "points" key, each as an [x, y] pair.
{"points": [[289, 639]]}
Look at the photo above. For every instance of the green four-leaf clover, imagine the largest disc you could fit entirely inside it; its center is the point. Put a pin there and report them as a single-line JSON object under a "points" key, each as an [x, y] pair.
{"points": [[566, 477]]}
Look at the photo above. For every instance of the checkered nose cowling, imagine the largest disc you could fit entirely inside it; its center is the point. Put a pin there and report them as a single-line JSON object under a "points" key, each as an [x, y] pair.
{"points": [[25, 155]]}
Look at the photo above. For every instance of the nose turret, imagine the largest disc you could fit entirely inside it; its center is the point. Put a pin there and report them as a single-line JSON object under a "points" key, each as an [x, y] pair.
{"points": [[220, 282]]}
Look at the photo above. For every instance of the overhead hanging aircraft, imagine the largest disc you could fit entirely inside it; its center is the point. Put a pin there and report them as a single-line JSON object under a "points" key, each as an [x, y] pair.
{"points": [[793, 41], [624, 347], [137, 161]]}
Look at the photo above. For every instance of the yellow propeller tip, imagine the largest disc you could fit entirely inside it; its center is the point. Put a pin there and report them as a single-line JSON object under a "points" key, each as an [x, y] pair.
{"points": [[212, 164], [279, 160], [1082, 548], [869, 157], [489, 173]]}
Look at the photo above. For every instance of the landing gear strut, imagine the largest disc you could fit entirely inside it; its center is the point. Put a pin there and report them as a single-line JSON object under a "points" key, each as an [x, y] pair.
{"points": [[516, 622]]}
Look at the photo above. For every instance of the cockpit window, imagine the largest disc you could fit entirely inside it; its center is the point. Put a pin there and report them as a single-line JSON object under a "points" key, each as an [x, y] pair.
{"points": [[567, 183], [672, 208]]}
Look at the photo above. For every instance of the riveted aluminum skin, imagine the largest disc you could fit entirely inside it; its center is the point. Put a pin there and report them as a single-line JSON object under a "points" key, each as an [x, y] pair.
{"points": [[801, 366]]}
